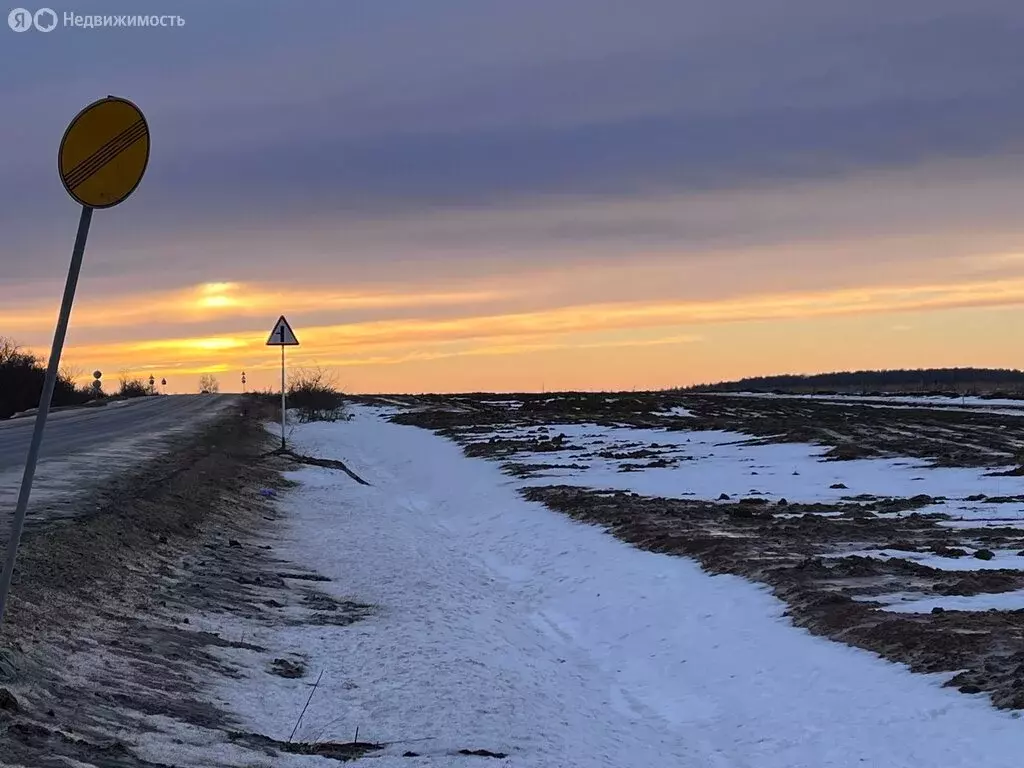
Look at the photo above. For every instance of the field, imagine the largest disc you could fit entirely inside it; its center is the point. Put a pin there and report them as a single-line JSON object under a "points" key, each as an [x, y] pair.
{"points": [[894, 526], [570, 580]]}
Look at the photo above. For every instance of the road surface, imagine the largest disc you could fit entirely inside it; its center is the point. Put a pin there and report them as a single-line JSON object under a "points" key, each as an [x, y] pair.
{"points": [[84, 429], [84, 446]]}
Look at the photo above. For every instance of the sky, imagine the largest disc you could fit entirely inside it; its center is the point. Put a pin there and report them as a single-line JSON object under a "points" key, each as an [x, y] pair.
{"points": [[469, 195]]}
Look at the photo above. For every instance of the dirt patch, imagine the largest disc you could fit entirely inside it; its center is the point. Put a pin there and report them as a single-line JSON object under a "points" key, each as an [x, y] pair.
{"points": [[483, 753], [341, 751], [288, 668], [849, 452], [328, 463], [501, 447], [8, 702], [535, 470]]}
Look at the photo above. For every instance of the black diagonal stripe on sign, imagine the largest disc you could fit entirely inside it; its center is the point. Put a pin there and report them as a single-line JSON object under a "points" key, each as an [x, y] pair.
{"points": [[85, 169], [100, 160], [106, 145]]}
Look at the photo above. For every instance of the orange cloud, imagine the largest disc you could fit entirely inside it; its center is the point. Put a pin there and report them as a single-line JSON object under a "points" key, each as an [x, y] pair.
{"points": [[388, 342], [212, 301]]}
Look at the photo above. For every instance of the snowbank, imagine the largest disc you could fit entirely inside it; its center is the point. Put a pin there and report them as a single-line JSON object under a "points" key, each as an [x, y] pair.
{"points": [[503, 626]]}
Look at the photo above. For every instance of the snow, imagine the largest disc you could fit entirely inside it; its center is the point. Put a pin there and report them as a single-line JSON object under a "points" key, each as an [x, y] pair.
{"points": [[914, 603], [677, 410], [933, 400], [998, 406], [512, 404], [716, 462], [504, 626], [1005, 559], [1008, 522]]}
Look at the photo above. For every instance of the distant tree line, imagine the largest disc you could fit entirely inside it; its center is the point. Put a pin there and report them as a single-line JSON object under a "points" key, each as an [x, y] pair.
{"points": [[21, 381], [959, 381]]}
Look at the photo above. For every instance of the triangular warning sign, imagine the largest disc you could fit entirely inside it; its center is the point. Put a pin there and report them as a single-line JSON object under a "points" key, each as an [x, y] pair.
{"points": [[282, 335]]}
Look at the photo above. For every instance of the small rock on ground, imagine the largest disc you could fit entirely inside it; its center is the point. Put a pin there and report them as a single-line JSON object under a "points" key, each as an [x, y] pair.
{"points": [[8, 703]]}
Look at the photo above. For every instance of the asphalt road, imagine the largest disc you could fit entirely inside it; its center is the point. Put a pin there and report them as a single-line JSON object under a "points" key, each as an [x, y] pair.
{"points": [[80, 431]]}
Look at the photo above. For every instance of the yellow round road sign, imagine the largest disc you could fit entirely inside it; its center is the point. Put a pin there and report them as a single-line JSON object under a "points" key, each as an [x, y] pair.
{"points": [[104, 153]]}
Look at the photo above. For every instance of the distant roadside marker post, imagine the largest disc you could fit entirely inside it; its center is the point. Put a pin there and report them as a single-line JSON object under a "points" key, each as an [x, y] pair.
{"points": [[282, 336], [101, 160]]}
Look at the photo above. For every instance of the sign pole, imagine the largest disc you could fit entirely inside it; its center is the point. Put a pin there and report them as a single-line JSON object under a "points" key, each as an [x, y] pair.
{"points": [[101, 160], [283, 411], [282, 336], [49, 384]]}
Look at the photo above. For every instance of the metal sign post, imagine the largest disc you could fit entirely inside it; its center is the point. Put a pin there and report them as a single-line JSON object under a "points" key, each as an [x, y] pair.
{"points": [[282, 336], [101, 160], [284, 407]]}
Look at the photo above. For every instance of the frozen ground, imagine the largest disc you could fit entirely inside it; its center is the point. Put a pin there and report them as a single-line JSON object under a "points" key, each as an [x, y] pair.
{"points": [[973, 402], [1003, 559], [911, 603], [503, 626], [705, 465]]}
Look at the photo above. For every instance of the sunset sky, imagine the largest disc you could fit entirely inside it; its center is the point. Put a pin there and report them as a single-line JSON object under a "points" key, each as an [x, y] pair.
{"points": [[560, 194]]}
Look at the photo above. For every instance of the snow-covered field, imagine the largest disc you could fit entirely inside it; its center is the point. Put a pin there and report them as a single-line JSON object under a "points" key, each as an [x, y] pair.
{"points": [[504, 626], [911, 603], [705, 465], [914, 400], [1002, 559]]}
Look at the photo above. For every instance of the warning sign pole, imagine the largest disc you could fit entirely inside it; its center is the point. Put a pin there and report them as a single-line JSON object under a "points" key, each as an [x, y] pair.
{"points": [[101, 161], [283, 336], [49, 384], [284, 408]]}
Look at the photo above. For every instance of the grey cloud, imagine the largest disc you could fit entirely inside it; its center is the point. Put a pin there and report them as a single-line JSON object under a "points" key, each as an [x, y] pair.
{"points": [[265, 112]]}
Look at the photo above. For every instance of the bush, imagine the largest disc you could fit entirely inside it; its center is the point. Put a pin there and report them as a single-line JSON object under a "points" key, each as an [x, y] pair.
{"points": [[133, 388], [267, 395], [312, 392], [21, 382]]}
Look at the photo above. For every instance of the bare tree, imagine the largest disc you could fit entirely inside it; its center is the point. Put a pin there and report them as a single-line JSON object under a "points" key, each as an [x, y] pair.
{"points": [[11, 352], [71, 373], [208, 384]]}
